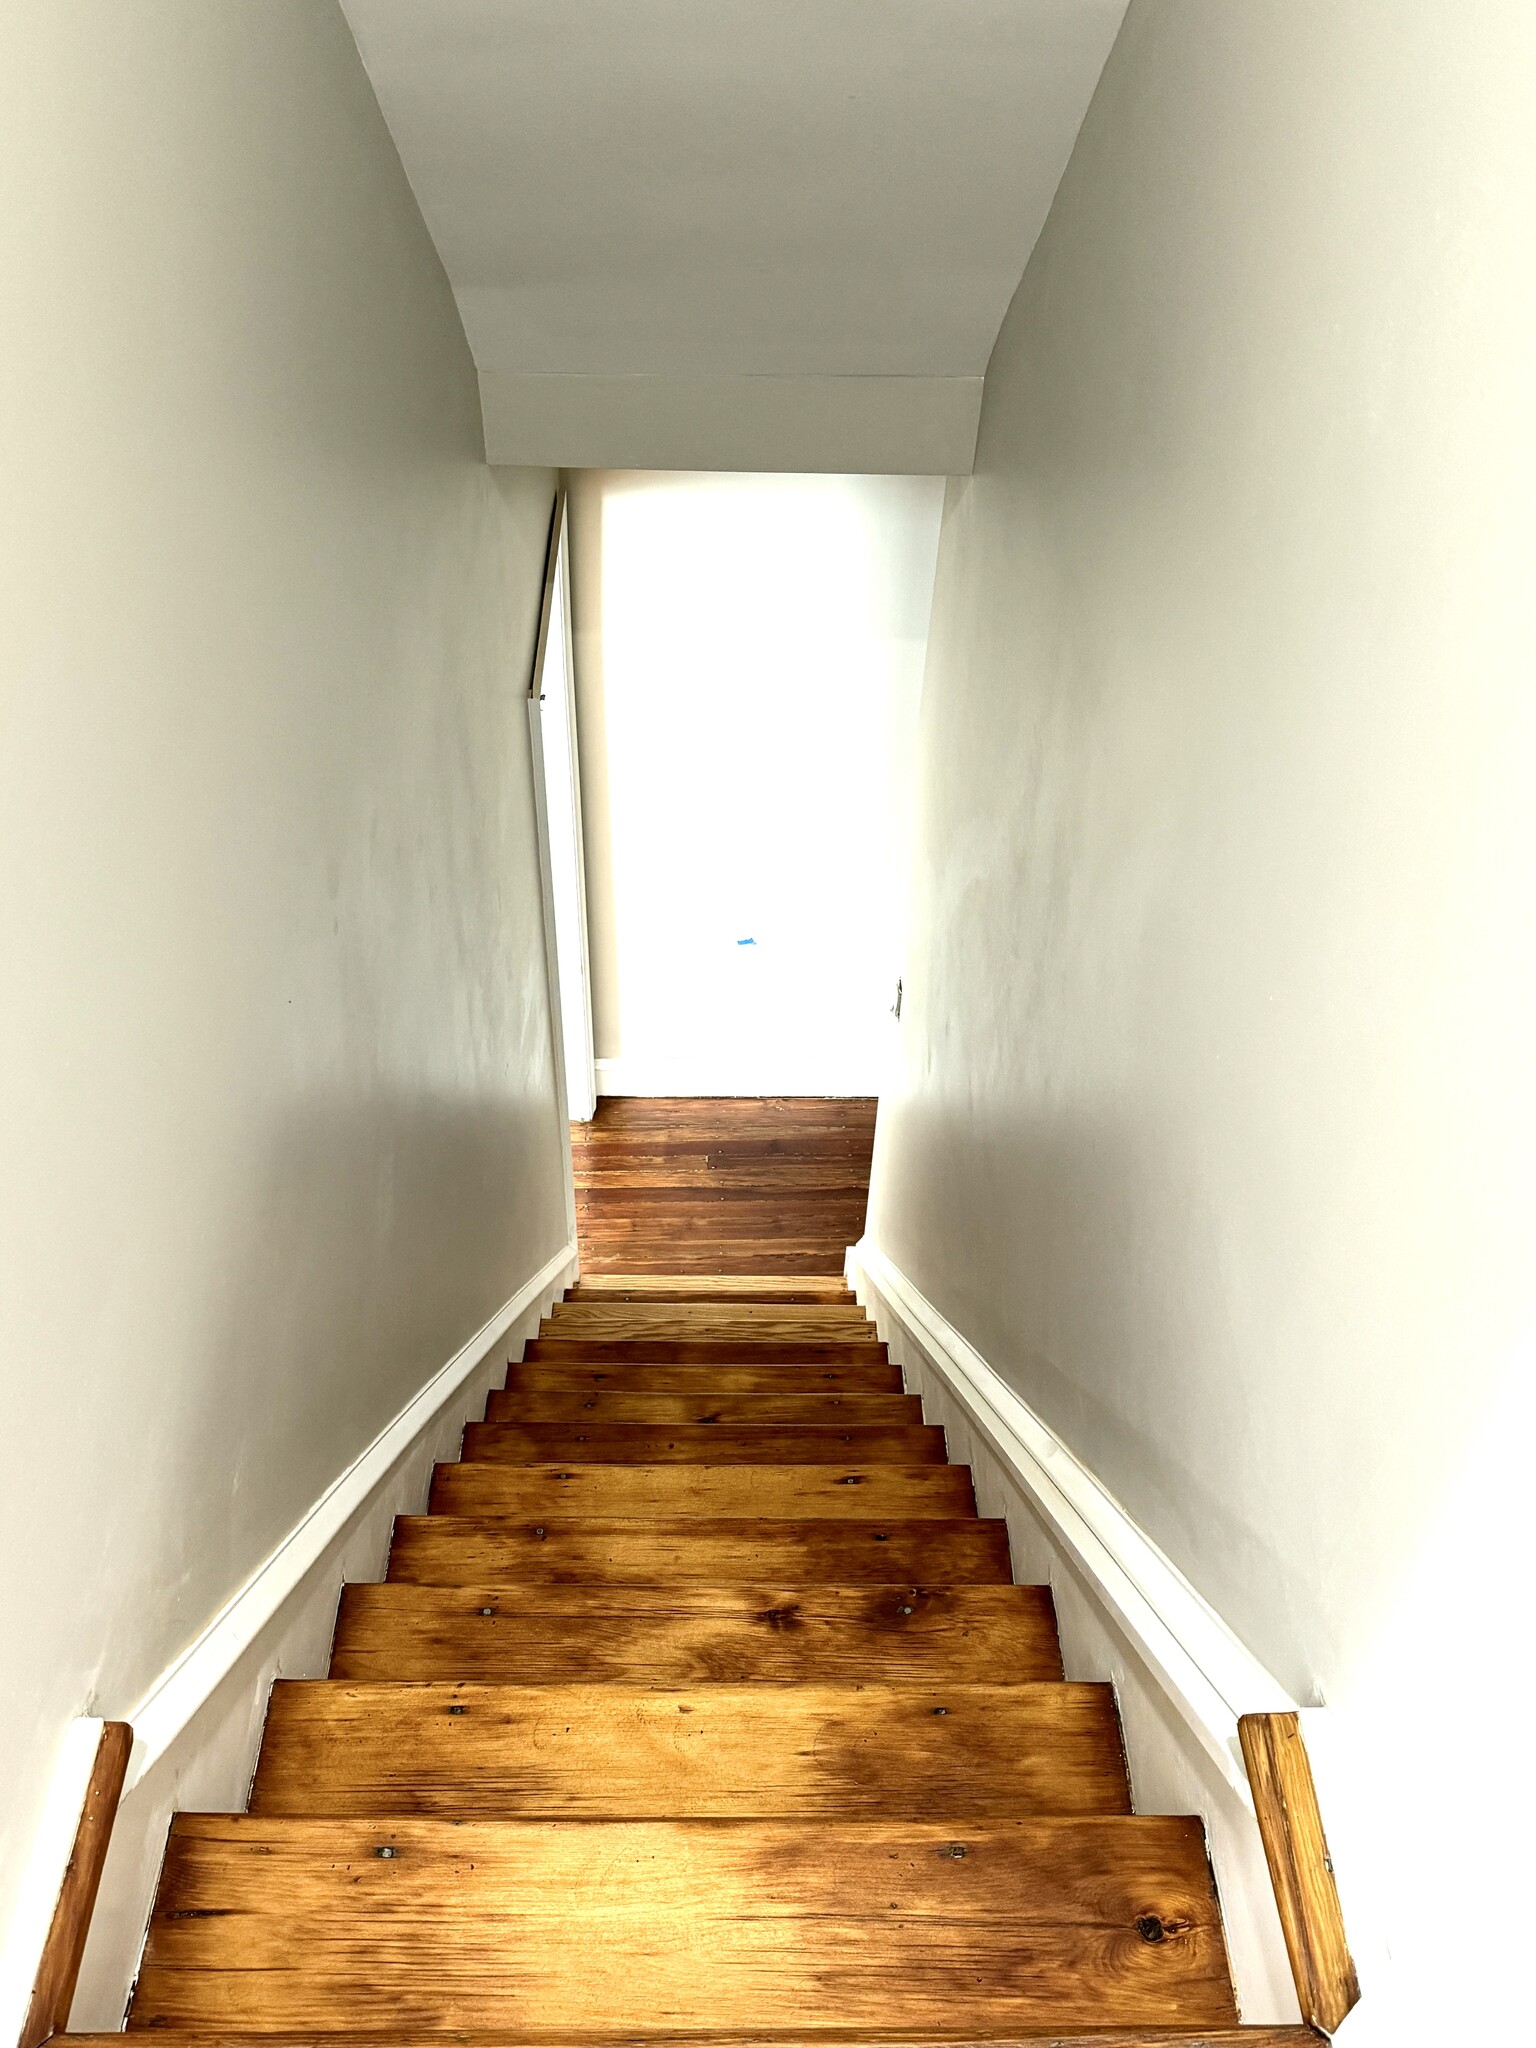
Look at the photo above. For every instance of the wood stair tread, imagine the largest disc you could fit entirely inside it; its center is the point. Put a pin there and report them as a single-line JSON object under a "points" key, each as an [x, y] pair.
{"points": [[789, 1288], [638, 1443], [612, 1929], [758, 1322], [752, 1411], [840, 1491], [441, 1549], [683, 1634], [672, 1376], [831, 2037], [636, 1751], [736, 1350]]}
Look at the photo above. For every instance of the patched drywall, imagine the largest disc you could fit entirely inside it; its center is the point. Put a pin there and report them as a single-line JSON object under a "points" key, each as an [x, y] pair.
{"points": [[278, 1098]]}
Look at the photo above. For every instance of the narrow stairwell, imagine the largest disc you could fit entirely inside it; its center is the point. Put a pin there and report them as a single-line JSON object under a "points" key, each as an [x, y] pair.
{"points": [[700, 1704]]}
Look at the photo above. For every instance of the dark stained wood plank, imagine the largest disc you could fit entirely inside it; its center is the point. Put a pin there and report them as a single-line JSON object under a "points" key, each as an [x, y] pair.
{"points": [[839, 1492], [682, 1635], [722, 1185], [450, 1550], [1300, 1867], [636, 1443], [627, 1752], [700, 1351], [58, 1971], [753, 1411], [538, 1376], [612, 1929]]}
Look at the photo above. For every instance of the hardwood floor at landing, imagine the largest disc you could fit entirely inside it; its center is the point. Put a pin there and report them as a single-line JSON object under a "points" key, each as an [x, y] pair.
{"points": [[722, 1184]]}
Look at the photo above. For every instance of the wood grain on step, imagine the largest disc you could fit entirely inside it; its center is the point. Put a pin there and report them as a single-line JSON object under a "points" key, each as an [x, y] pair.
{"points": [[537, 1376], [752, 1411], [855, 1492], [450, 1550], [1141, 2037], [638, 1443], [612, 1929], [701, 1351], [762, 1322], [792, 1287], [678, 1186], [605, 1751], [681, 1635]]}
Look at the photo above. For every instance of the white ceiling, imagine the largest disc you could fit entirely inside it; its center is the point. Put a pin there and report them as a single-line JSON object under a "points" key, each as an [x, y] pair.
{"points": [[734, 189]]}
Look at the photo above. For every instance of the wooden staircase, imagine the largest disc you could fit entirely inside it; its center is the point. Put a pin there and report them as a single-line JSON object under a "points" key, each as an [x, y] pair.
{"points": [[699, 1705]]}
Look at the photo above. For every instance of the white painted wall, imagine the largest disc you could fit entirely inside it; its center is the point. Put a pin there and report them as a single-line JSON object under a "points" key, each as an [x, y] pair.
{"points": [[275, 1058], [749, 652], [1216, 1131]]}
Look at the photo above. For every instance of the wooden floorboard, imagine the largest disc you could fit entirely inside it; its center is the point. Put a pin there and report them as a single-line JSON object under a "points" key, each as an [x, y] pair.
{"points": [[740, 1350], [830, 2037], [839, 1492], [618, 1928], [449, 1550], [722, 1184], [760, 1321], [655, 1376], [795, 1288], [636, 1443], [606, 1751], [751, 1411], [682, 1635]]}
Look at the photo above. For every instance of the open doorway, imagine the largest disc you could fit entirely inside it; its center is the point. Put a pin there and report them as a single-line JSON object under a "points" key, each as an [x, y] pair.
{"points": [[749, 658], [745, 658]]}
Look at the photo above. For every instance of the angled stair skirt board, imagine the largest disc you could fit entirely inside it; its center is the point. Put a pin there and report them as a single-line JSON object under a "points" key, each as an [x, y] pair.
{"points": [[1126, 1614], [198, 1727]]}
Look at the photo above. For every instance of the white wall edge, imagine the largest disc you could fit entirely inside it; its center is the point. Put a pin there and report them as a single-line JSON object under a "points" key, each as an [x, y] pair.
{"points": [[1207, 1674], [178, 1693], [52, 1845]]}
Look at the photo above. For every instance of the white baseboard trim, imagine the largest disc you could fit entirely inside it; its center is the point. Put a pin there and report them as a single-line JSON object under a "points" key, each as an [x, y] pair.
{"points": [[1207, 1673], [180, 1691]]}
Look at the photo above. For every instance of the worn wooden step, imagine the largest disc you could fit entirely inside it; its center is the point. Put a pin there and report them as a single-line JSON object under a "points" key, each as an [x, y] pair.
{"points": [[796, 1288], [635, 1351], [971, 2037], [497, 1751], [638, 1443], [609, 1929], [563, 1376], [685, 1635], [853, 1491], [828, 1411], [453, 1550], [761, 1322]]}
